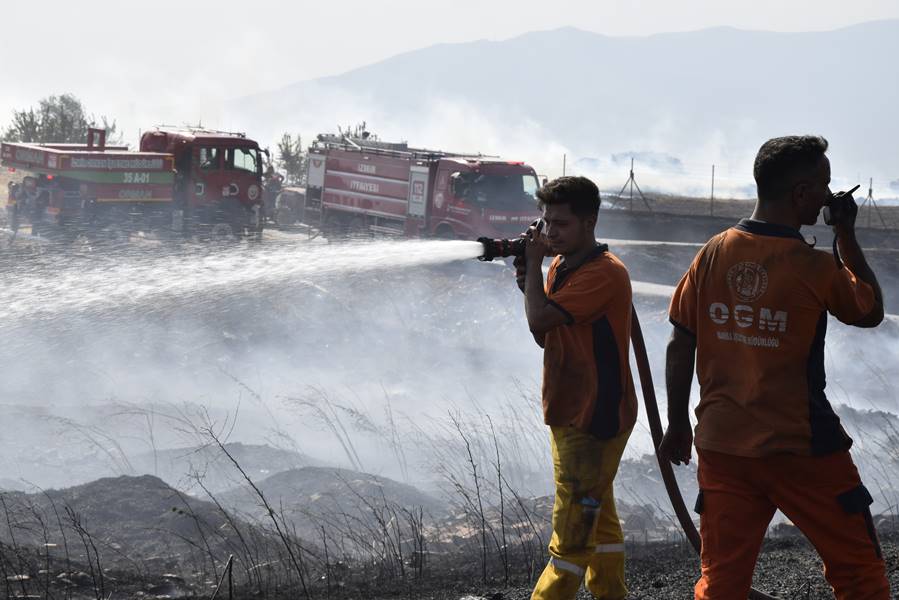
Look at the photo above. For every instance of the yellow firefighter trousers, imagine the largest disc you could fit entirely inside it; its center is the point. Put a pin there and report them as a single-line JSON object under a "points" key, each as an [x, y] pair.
{"points": [[587, 542]]}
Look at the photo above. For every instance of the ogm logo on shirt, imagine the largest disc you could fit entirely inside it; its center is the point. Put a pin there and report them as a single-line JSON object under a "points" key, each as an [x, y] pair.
{"points": [[748, 280]]}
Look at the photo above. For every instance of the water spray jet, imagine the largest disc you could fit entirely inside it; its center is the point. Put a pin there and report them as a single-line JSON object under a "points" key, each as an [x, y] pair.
{"points": [[147, 280]]}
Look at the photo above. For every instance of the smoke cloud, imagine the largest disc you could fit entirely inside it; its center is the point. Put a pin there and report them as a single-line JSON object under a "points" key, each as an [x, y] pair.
{"points": [[351, 354]]}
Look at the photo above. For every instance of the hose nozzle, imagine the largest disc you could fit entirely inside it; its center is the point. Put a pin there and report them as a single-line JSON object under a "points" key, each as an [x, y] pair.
{"points": [[504, 248], [501, 248]]}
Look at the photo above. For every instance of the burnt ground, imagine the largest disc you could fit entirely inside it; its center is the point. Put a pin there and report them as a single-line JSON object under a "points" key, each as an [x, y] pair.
{"points": [[787, 568]]}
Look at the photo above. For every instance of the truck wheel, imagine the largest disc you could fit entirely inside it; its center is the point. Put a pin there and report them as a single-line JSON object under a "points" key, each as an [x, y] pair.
{"points": [[284, 217], [254, 234], [116, 235], [334, 227], [222, 232], [357, 229], [81, 242]]}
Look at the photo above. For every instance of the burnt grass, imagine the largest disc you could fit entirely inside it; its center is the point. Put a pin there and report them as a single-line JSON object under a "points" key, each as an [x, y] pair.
{"points": [[787, 567]]}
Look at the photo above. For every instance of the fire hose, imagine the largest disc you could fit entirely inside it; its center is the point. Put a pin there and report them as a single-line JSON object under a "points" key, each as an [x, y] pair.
{"points": [[655, 429], [505, 248]]}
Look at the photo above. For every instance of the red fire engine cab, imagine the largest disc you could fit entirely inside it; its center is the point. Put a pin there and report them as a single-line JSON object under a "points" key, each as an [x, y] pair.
{"points": [[356, 185], [181, 180], [218, 177]]}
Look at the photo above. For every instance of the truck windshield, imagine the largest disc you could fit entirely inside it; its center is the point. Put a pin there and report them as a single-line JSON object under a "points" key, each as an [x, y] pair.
{"points": [[504, 192], [242, 159]]}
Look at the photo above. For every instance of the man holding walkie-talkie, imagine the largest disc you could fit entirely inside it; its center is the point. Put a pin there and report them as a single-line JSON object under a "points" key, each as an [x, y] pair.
{"points": [[752, 313], [581, 317]]}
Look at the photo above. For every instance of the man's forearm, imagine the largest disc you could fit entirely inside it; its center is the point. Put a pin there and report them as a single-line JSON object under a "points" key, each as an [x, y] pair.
{"points": [[534, 294], [543, 315], [853, 257], [679, 363]]}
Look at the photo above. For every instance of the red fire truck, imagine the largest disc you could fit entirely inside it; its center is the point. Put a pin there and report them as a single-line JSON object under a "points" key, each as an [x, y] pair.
{"points": [[181, 181], [356, 185]]}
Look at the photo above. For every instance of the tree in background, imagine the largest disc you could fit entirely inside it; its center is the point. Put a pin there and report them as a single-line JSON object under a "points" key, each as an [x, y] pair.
{"points": [[292, 159], [57, 119]]}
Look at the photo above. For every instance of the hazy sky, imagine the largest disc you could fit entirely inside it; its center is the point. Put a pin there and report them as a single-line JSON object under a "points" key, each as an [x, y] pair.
{"points": [[174, 60]]}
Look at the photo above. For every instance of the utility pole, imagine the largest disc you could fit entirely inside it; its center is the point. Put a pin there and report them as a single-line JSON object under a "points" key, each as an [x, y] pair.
{"points": [[869, 201], [564, 161], [870, 197], [632, 182], [712, 198]]}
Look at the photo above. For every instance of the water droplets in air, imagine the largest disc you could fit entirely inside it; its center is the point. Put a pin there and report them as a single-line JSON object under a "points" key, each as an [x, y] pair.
{"points": [[66, 284]]}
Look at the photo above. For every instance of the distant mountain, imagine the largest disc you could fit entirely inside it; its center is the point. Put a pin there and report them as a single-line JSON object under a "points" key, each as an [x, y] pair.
{"points": [[312, 496], [312, 487], [178, 466], [711, 95]]}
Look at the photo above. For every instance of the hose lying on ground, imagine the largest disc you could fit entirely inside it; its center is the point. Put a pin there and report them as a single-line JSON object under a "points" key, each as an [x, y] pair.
{"points": [[655, 428]]}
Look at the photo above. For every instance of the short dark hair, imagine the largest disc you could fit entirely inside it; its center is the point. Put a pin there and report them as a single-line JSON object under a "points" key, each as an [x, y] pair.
{"points": [[781, 161], [578, 192]]}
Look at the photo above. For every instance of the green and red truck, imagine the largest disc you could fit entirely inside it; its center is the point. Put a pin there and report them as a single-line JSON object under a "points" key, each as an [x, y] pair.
{"points": [[182, 181]]}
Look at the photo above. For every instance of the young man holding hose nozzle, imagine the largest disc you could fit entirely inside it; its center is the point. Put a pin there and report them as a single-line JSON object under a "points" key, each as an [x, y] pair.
{"points": [[581, 317], [752, 311]]}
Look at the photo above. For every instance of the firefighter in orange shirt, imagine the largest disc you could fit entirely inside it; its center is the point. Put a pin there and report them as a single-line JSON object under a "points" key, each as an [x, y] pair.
{"points": [[752, 313], [581, 318]]}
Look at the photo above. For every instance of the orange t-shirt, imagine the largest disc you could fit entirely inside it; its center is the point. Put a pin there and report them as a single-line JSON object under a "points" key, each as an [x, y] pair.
{"points": [[586, 372], [756, 298]]}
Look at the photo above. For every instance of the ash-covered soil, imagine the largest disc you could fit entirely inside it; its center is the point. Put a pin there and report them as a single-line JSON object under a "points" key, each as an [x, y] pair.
{"points": [[147, 536], [787, 568]]}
